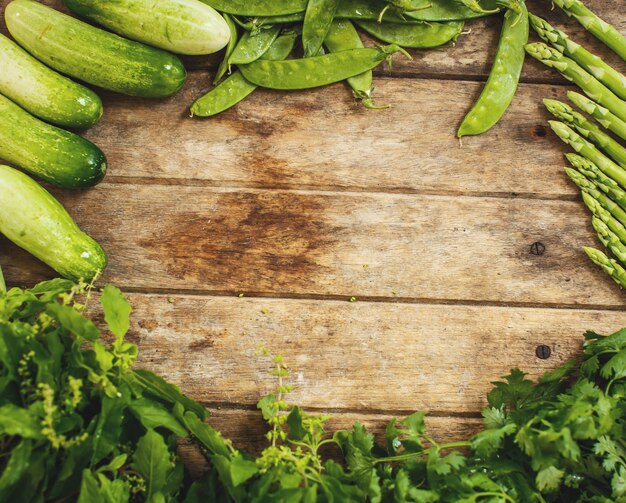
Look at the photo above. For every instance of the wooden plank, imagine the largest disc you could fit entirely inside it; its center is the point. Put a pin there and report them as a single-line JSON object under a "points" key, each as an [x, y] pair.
{"points": [[284, 140], [246, 430], [472, 56], [382, 358], [317, 244]]}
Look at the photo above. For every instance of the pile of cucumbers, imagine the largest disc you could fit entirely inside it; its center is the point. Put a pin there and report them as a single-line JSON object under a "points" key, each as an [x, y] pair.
{"points": [[36, 102]]}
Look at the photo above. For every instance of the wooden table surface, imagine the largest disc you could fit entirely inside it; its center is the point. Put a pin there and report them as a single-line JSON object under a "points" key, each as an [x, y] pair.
{"points": [[303, 200]]}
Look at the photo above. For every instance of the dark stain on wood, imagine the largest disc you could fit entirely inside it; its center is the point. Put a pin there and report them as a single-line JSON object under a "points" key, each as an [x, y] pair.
{"points": [[250, 241]]}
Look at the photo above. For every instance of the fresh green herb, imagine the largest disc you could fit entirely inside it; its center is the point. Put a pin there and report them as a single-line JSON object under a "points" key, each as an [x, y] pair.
{"points": [[78, 423]]}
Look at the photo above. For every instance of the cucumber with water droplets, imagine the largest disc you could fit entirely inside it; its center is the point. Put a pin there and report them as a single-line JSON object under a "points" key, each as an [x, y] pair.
{"points": [[35, 221], [93, 55], [47, 152], [43, 92]]}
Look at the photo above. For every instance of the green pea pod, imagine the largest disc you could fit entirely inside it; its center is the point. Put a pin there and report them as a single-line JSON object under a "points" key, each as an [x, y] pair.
{"points": [[258, 8], [236, 88], [423, 35], [253, 45], [232, 43], [504, 77], [317, 71], [317, 20], [343, 36]]}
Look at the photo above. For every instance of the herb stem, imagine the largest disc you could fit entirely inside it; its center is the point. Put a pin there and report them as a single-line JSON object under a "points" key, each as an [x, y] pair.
{"points": [[411, 455]]}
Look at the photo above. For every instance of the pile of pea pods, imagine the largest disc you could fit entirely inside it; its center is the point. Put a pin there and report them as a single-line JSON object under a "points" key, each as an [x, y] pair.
{"points": [[300, 44]]}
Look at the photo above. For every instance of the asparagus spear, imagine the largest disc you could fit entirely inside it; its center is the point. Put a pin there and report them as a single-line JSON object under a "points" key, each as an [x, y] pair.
{"points": [[609, 239], [588, 150], [588, 129], [573, 72], [596, 26], [601, 213], [603, 182], [608, 265], [590, 188], [605, 73], [603, 115]]}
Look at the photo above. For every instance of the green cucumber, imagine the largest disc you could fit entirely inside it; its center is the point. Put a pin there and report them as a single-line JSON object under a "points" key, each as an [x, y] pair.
{"points": [[181, 26], [43, 92], [47, 152], [91, 54], [37, 222]]}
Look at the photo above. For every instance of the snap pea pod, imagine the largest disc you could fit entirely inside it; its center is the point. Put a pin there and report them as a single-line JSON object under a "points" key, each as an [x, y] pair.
{"points": [[432, 10], [258, 8], [317, 20], [609, 239], [594, 25], [236, 88], [416, 36], [474, 6], [342, 36], [604, 215], [316, 71], [588, 187], [608, 265], [446, 10], [606, 184], [573, 72], [232, 43], [401, 7], [595, 65], [588, 129], [603, 115], [589, 151], [503, 78], [253, 45]]}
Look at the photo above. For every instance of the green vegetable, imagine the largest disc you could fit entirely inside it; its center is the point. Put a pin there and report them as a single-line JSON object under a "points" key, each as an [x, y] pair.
{"points": [[236, 88], [35, 221], [601, 213], [606, 184], [610, 240], [47, 152], [253, 45], [43, 92], [590, 188], [179, 26], [93, 55], [315, 71], [587, 150], [232, 43], [595, 65], [596, 26], [342, 36], [425, 35], [603, 115], [86, 426], [258, 8], [618, 273], [588, 129], [317, 21], [567, 67], [503, 78]]}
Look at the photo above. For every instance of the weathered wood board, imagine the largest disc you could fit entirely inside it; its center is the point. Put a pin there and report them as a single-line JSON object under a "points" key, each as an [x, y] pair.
{"points": [[304, 200]]}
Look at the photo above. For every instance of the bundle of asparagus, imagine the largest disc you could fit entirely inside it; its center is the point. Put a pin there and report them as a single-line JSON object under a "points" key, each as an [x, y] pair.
{"points": [[599, 164]]}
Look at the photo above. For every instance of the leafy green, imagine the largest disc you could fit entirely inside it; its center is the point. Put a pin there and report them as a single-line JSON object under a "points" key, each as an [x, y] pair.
{"points": [[79, 423]]}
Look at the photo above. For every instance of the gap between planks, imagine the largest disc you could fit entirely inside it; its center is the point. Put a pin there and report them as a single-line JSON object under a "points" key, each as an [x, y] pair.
{"points": [[167, 292]]}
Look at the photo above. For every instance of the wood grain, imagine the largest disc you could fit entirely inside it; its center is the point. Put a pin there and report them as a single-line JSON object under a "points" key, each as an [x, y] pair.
{"points": [[322, 139], [352, 357], [472, 56], [285, 243]]}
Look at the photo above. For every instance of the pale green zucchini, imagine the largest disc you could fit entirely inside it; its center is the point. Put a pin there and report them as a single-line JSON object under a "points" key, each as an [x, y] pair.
{"points": [[44, 92], [91, 54], [181, 26], [48, 152], [38, 223]]}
